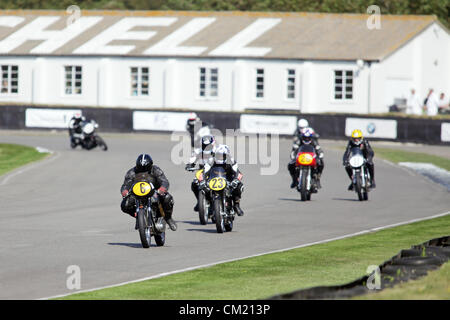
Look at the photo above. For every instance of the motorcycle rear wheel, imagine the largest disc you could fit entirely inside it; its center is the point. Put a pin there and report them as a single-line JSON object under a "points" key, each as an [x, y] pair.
{"points": [[160, 239]]}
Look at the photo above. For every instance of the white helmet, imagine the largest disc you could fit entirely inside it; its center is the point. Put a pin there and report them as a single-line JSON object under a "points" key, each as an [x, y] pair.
{"points": [[222, 154], [303, 123]]}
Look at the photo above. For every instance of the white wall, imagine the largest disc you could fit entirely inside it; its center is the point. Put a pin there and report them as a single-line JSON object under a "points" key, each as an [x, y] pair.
{"points": [[422, 63]]}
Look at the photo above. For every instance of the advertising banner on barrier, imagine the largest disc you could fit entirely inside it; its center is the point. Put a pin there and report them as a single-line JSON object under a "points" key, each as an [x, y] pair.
{"points": [[445, 131], [372, 128], [160, 121], [250, 123], [49, 118]]}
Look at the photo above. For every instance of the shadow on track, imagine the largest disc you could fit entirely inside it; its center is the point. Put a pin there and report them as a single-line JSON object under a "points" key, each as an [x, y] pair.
{"points": [[130, 245], [346, 199], [203, 230]]}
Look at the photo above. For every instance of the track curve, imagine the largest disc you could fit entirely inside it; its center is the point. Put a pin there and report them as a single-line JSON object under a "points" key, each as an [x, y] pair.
{"points": [[66, 212]]}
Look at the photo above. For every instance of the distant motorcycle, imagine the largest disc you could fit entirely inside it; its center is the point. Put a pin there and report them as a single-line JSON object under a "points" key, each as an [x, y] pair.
{"points": [[88, 138], [215, 200], [149, 212], [361, 176], [306, 164]]}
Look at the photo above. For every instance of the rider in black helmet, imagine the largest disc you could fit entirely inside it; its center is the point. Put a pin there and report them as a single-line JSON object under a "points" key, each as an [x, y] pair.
{"points": [[201, 156], [144, 163]]}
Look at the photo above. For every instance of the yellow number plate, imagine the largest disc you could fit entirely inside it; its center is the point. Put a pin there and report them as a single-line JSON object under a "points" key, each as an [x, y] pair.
{"points": [[142, 189], [198, 174], [305, 158], [217, 184]]}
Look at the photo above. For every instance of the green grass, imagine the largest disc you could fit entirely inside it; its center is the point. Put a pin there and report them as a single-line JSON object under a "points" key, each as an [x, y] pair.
{"points": [[435, 286], [331, 263], [13, 156], [397, 156]]}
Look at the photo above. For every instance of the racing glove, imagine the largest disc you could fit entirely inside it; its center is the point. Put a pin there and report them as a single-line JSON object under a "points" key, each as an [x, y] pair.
{"points": [[124, 193]]}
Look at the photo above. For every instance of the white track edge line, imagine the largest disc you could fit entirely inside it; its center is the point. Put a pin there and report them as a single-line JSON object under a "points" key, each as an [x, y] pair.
{"points": [[252, 256]]}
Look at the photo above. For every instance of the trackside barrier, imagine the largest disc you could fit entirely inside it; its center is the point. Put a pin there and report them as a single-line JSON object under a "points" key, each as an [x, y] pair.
{"points": [[407, 265], [330, 126]]}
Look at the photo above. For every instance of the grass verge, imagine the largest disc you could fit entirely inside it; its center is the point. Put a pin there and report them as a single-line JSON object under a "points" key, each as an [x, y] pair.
{"points": [[330, 263], [397, 156], [13, 156]]}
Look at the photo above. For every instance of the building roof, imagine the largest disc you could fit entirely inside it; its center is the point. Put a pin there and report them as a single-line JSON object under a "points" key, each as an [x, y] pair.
{"points": [[270, 35]]}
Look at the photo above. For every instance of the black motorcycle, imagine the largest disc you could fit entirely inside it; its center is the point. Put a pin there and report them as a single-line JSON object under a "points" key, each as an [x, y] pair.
{"points": [[360, 174], [87, 136], [215, 200], [149, 212]]}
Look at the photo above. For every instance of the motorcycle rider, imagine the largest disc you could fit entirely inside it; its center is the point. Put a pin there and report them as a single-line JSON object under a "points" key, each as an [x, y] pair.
{"points": [[307, 137], [303, 124], [144, 164], [201, 156], [357, 140], [193, 126], [75, 128], [222, 157]]}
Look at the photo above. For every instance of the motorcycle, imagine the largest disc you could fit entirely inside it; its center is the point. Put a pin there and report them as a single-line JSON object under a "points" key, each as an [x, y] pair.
{"points": [[88, 138], [306, 165], [215, 200], [360, 176], [149, 212]]}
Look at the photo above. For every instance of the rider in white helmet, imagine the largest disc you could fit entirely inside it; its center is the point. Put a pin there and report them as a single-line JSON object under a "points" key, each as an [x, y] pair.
{"points": [[222, 157]]}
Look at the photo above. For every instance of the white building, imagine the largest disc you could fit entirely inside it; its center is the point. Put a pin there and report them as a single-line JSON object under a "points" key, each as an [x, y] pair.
{"points": [[220, 61]]}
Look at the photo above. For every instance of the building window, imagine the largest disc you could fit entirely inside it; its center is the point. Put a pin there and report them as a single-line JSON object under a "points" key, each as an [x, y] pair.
{"points": [[259, 83], [73, 80], [209, 82], [343, 84], [140, 77], [10, 77], [290, 93]]}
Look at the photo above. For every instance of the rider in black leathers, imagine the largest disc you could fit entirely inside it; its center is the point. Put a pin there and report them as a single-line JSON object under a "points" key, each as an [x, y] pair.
{"points": [[144, 163], [357, 140], [307, 137]]}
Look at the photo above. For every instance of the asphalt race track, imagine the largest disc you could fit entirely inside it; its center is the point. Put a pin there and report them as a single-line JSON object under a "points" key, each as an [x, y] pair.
{"points": [[65, 211]]}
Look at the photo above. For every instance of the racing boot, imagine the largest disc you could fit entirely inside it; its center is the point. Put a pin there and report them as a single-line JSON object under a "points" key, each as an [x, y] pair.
{"points": [[172, 224], [238, 209], [196, 207], [350, 187], [372, 184]]}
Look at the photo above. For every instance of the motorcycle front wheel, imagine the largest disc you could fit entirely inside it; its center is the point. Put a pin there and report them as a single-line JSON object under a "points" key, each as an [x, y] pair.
{"points": [[218, 209], [304, 194], [144, 228]]}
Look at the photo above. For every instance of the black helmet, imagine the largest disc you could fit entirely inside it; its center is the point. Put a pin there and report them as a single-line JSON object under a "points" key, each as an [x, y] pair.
{"points": [[208, 142], [144, 163]]}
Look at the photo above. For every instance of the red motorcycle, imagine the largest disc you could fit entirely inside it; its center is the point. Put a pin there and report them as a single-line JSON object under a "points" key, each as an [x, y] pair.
{"points": [[306, 164]]}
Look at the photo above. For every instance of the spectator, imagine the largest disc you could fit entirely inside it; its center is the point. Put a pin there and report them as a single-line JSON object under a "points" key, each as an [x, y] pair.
{"points": [[413, 104], [443, 103], [432, 103]]}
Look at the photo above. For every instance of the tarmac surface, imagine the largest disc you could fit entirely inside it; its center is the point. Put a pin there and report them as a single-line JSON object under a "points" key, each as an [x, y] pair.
{"points": [[65, 211]]}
